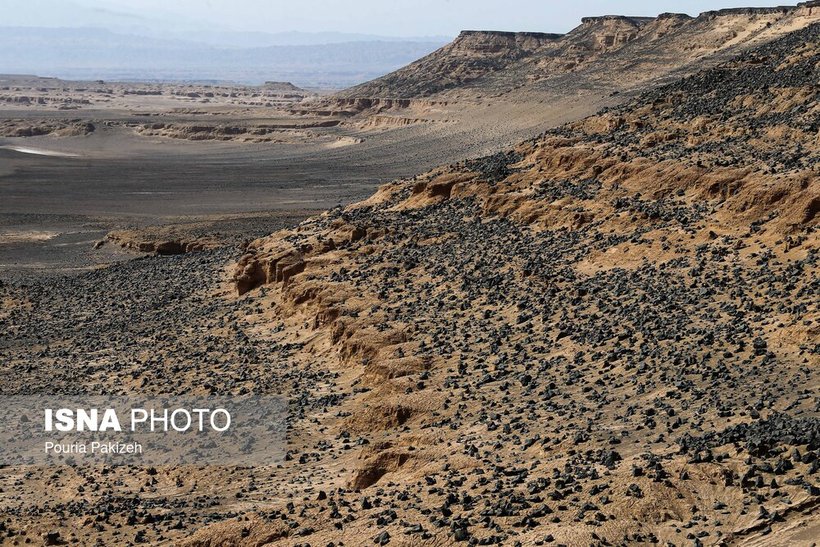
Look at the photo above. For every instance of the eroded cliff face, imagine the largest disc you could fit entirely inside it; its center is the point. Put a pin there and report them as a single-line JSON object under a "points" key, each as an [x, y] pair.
{"points": [[484, 62], [506, 45], [610, 32], [593, 336], [471, 55], [744, 133]]}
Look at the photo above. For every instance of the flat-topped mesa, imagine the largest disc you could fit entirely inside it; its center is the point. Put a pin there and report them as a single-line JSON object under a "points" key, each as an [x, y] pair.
{"points": [[508, 34], [282, 86], [500, 43], [636, 21], [605, 32], [773, 10], [674, 16], [473, 54], [491, 63]]}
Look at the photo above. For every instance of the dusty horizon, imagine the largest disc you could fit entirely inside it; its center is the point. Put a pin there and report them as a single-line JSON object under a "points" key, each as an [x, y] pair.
{"points": [[365, 18]]}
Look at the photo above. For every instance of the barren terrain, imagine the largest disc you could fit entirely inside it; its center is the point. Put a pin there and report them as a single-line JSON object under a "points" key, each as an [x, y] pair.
{"points": [[603, 332], [101, 152]]}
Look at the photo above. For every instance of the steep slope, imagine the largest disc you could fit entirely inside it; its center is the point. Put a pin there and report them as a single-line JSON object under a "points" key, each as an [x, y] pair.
{"points": [[487, 90], [471, 55], [492, 62], [609, 334]]}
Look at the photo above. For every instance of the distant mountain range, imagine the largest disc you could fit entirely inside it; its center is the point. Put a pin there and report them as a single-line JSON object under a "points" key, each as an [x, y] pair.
{"points": [[237, 39], [168, 24], [313, 60]]}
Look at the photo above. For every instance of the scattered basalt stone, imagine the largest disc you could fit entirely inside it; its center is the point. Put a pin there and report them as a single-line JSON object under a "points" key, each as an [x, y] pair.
{"points": [[761, 438], [479, 368], [494, 168]]}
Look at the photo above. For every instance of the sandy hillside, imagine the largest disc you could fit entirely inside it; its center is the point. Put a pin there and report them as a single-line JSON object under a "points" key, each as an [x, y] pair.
{"points": [[607, 334]]}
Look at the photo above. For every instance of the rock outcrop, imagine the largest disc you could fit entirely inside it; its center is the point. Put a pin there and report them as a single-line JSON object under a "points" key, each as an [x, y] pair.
{"points": [[615, 322], [607, 334], [628, 51]]}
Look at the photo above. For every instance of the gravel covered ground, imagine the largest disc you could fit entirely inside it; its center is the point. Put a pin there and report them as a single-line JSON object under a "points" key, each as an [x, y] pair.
{"points": [[609, 335]]}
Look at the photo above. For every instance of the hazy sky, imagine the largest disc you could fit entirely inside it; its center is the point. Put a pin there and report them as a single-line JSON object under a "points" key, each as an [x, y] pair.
{"points": [[384, 17]]}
